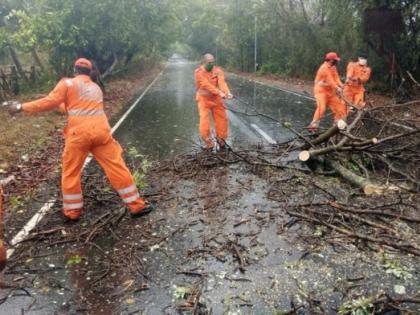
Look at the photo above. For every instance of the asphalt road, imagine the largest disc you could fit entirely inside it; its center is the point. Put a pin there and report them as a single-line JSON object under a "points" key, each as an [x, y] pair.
{"points": [[162, 124], [165, 122]]}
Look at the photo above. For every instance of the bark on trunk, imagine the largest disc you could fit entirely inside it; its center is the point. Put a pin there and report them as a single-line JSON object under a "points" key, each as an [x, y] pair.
{"points": [[17, 64], [111, 68], [368, 187], [341, 125], [37, 60]]}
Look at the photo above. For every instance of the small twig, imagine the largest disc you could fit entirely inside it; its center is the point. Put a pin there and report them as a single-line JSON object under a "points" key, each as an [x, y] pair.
{"points": [[241, 260]]}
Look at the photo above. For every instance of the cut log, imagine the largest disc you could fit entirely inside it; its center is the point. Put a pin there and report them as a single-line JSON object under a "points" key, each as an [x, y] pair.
{"points": [[323, 137], [304, 156], [341, 124], [307, 154], [366, 185]]}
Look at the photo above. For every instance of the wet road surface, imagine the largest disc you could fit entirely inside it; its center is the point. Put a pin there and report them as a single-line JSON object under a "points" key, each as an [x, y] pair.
{"points": [[165, 123]]}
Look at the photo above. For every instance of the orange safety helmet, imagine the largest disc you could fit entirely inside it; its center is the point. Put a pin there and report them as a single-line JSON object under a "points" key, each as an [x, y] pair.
{"points": [[83, 63], [332, 56]]}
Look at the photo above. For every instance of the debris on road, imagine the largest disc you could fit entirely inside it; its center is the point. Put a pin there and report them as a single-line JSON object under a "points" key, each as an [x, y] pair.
{"points": [[247, 226]]}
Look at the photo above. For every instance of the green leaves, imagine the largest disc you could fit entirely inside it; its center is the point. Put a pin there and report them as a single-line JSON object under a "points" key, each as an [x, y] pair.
{"points": [[182, 292], [142, 165], [94, 29], [293, 36], [394, 267], [362, 306], [74, 260]]}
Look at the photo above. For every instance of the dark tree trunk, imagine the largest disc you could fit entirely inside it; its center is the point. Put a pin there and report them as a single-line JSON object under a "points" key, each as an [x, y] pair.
{"points": [[36, 59], [17, 64]]}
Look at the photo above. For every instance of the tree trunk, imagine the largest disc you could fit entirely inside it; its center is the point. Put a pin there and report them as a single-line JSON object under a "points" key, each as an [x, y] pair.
{"points": [[17, 63], [332, 131], [368, 187], [36, 59], [111, 68]]}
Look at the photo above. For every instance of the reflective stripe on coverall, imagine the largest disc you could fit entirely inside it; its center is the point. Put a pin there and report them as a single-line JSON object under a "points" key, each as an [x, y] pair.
{"points": [[326, 83], [87, 131], [209, 85], [354, 90]]}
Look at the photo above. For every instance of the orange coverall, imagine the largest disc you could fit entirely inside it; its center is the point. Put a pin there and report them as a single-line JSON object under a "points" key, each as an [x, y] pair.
{"points": [[209, 85], [354, 91], [87, 131], [326, 83]]}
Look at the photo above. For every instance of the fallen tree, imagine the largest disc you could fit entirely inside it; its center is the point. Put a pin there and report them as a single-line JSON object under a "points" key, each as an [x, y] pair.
{"points": [[373, 137], [376, 149]]}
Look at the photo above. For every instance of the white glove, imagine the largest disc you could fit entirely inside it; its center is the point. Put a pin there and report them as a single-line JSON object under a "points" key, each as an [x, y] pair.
{"points": [[13, 107]]}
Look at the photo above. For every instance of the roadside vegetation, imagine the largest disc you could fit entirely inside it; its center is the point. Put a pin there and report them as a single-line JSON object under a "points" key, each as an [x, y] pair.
{"points": [[293, 36], [256, 221]]}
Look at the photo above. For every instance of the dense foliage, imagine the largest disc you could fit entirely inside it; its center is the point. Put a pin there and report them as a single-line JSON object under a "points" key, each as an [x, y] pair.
{"points": [[104, 31], [291, 35]]}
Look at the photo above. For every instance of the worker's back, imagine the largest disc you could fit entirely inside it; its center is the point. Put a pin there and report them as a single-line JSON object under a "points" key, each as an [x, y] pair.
{"points": [[84, 103]]}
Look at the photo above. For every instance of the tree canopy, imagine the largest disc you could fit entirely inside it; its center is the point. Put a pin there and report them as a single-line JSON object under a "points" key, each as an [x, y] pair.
{"points": [[103, 31], [290, 36], [293, 35]]}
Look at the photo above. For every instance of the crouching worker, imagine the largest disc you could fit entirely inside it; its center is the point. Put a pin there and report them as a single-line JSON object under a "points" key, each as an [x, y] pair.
{"points": [[87, 131]]}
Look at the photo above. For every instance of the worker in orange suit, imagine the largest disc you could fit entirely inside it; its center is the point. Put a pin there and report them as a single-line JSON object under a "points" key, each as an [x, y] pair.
{"points": [[87, 131], [328, 89], [211, 90], [358, 73]]}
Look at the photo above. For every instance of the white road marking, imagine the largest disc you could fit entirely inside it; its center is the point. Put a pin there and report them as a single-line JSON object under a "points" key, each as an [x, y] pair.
{"points": [[287, 91], [403, 126], [304, 96], [263, 134], [136, 101], [276, 87], [39, 215], [23, 233]]}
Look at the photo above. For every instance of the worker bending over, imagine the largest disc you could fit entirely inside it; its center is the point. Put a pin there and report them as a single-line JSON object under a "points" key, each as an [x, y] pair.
{"points": [[327, 89]]}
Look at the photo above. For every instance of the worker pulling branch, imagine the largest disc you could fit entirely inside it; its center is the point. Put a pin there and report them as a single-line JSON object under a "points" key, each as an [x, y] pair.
{"points": [[87, 131], [211, 89]]}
